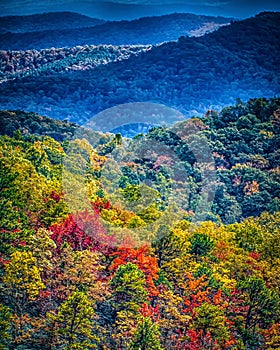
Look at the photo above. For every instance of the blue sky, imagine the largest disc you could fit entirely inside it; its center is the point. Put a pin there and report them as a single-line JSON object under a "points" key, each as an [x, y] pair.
{"points": [[126, 9]]}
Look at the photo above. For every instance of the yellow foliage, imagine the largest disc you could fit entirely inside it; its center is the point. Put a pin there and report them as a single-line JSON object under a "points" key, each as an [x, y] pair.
{"points": [[22, 276], [251, 188]]}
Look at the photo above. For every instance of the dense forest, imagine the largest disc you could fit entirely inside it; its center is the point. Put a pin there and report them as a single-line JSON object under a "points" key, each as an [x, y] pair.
{"points": [[147, 30], [32, 123], [168, 240], [33, 63], [192, 74]]}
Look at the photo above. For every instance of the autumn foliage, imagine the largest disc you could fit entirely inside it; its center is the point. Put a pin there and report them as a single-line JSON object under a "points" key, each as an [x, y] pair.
{"points": [[125, 262]]}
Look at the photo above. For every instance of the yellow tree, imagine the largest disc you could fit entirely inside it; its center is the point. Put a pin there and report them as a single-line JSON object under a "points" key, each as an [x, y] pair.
{"points": [[22, 280], [21, 285]]}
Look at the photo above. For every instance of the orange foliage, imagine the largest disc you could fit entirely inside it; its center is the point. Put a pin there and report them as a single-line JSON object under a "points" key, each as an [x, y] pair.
{"points": [[140, 257]]}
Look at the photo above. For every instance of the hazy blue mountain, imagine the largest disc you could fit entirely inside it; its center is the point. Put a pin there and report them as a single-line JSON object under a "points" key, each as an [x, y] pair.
{"points": [[46, 21], [148, 30], [127, 9], [192, 75]]}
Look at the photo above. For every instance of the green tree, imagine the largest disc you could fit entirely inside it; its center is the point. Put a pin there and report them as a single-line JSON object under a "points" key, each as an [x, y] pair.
{"points": [[128, 288], [201, 244], [72, 326], [5, 325], [210, 322], [146, 336], [128, 295], [262, 307]]}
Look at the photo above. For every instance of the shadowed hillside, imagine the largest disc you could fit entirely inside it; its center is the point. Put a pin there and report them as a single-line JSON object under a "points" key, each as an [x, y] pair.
{"points": [[192, 75]]}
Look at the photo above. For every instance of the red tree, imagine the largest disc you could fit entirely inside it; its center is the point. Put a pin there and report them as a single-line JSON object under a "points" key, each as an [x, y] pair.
{"points": [[81, 231]]}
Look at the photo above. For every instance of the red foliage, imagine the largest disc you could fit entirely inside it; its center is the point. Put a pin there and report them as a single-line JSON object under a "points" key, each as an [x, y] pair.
{"points": [[55, 196], [141, 258], [99, 205], [237, 306], [150, 311], [194, 340], [255, 255], [83, 231], [197, 293], [45, 294], [3, 261]]}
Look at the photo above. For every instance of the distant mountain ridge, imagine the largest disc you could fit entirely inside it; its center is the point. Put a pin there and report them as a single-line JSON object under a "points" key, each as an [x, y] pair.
{"points": [[116, 10], [144, 31], [18, 64], [192, 75], [46, 21]]}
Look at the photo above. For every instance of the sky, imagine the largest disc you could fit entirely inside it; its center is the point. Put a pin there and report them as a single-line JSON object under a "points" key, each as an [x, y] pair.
{"points": [[128, 9]]}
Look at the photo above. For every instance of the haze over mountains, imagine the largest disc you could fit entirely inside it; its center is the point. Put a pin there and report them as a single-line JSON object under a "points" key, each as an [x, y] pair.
{"points": [[192, 75], [139, 163], [127, 9], [51, 30], [46, 21]]}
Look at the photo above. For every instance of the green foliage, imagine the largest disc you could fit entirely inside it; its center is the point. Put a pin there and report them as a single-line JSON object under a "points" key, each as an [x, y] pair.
{"points": [[21, 280], [18, 123], [210, 320], [262, 309], [73, 323], [201, 244], [146, 336], [150, 214], [141, 274], [128, 288], [5, 326]]}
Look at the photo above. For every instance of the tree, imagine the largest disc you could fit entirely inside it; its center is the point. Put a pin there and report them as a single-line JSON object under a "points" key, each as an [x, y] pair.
{"points": [[210, 323], [128, 295], [128, 286], [20, 288], [72, 326], [169, 244], [146, 336], [42, 247], [21, 281], [75, 270], [5, 326], [256, 307], [201, 244], [142, 259], [82, 230]]}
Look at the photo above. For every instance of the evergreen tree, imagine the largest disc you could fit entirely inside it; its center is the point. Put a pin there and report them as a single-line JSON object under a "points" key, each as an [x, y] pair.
{"points": [[146, 336]]}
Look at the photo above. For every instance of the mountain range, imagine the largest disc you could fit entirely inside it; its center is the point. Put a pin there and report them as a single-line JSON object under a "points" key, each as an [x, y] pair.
{"points": [[140, 187], [193, 74], [46, 21], [43, 31], [128, 9]]}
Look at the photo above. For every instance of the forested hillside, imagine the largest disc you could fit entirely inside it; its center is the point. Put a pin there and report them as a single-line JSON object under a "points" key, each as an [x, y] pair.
{"points": [[45, 62], [192, 75], [32, 123], [115, 243], [147, 30]]}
